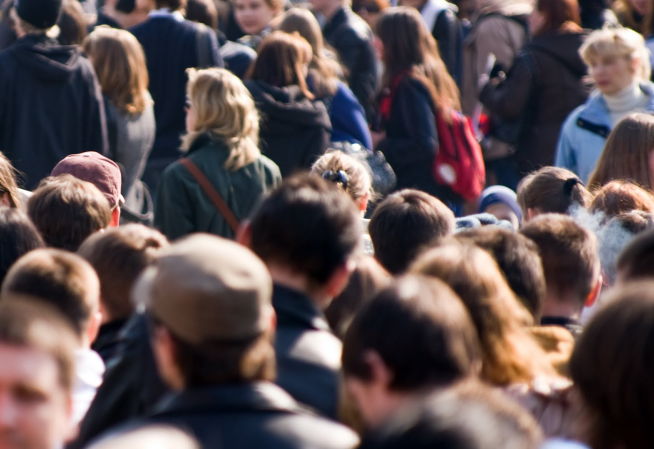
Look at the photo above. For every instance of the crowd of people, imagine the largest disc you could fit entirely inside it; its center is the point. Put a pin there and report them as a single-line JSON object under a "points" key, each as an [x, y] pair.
{"points": [[244, 224]]}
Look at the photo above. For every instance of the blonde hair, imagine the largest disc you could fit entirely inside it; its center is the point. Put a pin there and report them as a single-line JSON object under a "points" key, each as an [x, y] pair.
{"points": [[509, 352], [119, 63], [359, 182], [225, 109], [617, 42]]}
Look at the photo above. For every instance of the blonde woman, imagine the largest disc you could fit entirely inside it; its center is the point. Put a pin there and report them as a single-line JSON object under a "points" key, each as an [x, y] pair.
{"points": [[119, 63], [222, 142], [618, 63]]}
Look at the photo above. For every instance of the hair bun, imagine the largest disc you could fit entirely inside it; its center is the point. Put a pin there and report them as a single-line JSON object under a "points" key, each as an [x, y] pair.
{"points": [[570, 184], [337, 177]]}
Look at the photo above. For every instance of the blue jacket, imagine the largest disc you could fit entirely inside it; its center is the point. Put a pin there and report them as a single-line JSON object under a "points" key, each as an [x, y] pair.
{"points": [[585, 131], [348, 118]]}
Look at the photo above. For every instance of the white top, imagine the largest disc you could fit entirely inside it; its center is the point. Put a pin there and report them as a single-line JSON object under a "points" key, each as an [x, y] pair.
{"points": [[89, 369], [431, 11], [629, 100]]}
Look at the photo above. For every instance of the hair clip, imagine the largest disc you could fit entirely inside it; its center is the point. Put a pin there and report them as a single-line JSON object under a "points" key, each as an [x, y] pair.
{"points": [[569, 185], [339, 177]]}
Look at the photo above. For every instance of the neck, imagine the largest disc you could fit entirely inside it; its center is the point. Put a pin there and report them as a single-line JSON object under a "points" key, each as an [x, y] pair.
{"points": [[626, 99], [330, 11], [563, 306], [290, 279]]}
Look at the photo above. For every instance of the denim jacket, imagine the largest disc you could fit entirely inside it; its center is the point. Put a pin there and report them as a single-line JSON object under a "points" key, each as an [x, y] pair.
{"points": [[585, 131]]}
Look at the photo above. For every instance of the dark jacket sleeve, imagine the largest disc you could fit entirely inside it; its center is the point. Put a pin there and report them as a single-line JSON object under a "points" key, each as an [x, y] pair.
{"points": [[172, 212], [509, 98], [413, 138], [449, 36], [216, 57], [357, 55], [349, 118], [95, 132]]}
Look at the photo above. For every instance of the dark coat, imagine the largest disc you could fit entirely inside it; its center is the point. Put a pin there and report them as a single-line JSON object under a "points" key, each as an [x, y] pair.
{"points": [[107, 342], [182, 206], [258, 415], [352, 39], [308, 353], [294, 131], [50, 106], [547, 98], [448, 33]]}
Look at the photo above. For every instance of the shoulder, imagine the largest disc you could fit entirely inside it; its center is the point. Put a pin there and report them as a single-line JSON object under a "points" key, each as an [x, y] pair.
{"points": [[320, 433], [355, 28]]}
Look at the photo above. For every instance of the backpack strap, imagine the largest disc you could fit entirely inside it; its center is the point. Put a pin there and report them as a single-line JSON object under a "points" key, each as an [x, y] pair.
{"points": [[212, 193]]}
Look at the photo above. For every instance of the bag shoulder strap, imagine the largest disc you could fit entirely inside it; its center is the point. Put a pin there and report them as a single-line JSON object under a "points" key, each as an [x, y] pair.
{"points": [[212, 193]]}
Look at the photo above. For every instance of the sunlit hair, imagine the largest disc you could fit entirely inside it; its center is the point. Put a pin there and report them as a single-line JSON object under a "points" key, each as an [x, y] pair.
{"points": [[626, 153], [617, 43], [358, 182], [626, 16], [619, 197], [225, 109], [410, 46], [119, 62], [8, 184], [509, 353]]}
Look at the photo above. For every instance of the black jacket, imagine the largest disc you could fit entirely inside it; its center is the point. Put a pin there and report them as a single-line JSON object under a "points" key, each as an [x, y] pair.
{"points": [[308, 353], [294, 131], [352, 39], [107, 342], [448, 33], [257, 415], [546, 95], [50, 106]]}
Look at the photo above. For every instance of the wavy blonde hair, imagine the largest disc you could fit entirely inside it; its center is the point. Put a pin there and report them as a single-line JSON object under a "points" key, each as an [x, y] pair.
{"points": [[224, 109]]}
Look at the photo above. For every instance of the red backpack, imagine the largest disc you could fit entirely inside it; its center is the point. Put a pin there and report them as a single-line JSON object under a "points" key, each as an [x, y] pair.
{"points": [[458, 163]]}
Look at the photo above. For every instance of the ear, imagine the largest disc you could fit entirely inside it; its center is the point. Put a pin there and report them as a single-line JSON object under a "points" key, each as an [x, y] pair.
{"points": [[94, 327], [594, 295], [531, 214], [339, 279], [115, 217], [244, 233], [380, 374], [163, 350], [363, 202]]}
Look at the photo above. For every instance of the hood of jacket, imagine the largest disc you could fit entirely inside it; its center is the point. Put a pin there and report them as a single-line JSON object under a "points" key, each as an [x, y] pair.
{"points": [[564, 47], [45, 58], [288, 105]]}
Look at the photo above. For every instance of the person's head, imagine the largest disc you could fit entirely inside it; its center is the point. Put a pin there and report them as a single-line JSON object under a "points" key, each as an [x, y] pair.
{"points": [[611, 367], [219, 104], [616, 57], [307, 229], [509, 354], [9, 195], [67, 210], [172, 5], [404, 224], [348, 173], [412, 337], [628, 153], [119, 63], [71, 23], [209, 300], [571, 263], [37, 373], [100, 171], [18, 236], [283, 60], [618, 197], [518, 259], [148, 436], [202, 11], [551, 190], [254, 16], [502, 203], [468, 416], [63, 280], [118, 256], [326, 7], [635, 14], [636, 262], [409, 46], [369, 10], [550, 16], [35, 17]]}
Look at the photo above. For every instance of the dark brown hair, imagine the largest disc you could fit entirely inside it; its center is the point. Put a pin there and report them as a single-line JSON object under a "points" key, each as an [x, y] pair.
{"points": [[71, 23], [18, 236], [552, 190], [67, 210], [637, 259], [118, 256], [202, 11], [560, 15], [569, 253], [618, 197]]}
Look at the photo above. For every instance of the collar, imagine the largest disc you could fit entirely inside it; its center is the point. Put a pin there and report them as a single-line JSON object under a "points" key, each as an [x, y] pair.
{"points": [[596, 110], [431, 10], [294, 308], [89, 368], [228, 398], [165, 12], [112, 326]]}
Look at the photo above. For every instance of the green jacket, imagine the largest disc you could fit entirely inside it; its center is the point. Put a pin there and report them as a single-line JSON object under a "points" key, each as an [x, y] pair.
{"points": [[182, 207]]}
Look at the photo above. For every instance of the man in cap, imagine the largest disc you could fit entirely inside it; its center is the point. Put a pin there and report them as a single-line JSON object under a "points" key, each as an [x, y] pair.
{"points": [[51, 100], [209, 301], [100, 171]]}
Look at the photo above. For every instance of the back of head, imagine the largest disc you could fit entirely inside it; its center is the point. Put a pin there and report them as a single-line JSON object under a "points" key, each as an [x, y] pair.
{"points": [[560, 15], [636, 262], [202, 11], [357, 181], [67, 210], [307, 225], [518, 259], [611, 366], [404, 224], [418, 313], [469, 416], [570, 256], [552, 190], [65, 281], [18, 236], [118, 256], [71, 23], [618, 197]]}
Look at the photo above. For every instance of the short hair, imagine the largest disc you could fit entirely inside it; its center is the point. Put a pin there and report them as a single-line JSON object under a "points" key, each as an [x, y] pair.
{"points": [[404, 224], [64, 280], [620, 196], [18, 236], [612, 367], [519, 261], [468, 416], [636, 262], [173, 5], [308, 225], [118, 256], [202, 11], [552, 190], [569, 253], [424, 315], [27, 323], [71, 23], [67, 210]]}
